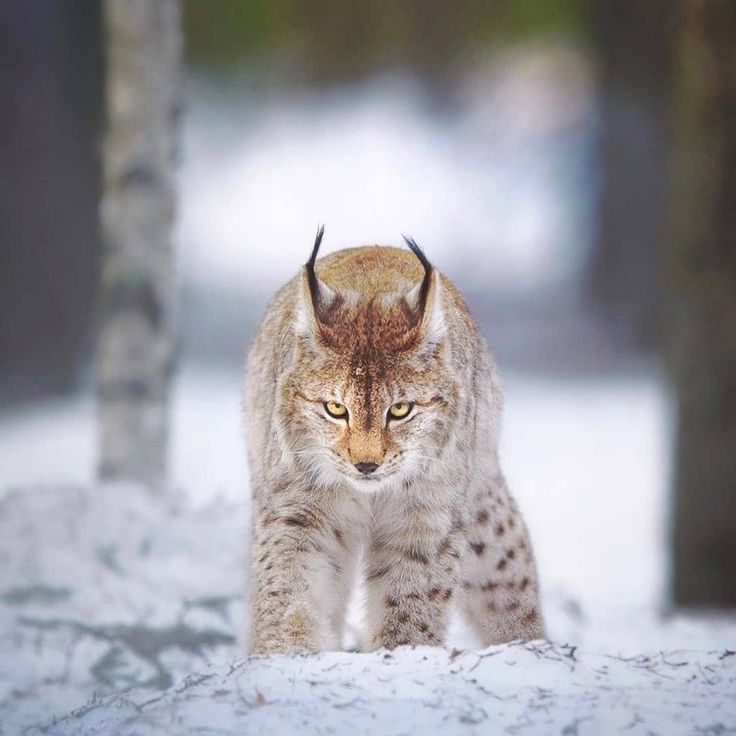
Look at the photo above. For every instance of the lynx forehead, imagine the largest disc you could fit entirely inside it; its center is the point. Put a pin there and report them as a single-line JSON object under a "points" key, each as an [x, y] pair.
{"points": [[372, 408]]}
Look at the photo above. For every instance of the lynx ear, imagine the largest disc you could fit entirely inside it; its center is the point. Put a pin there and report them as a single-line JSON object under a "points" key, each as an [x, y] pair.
{"points": [[315, 297], [424, 300]]}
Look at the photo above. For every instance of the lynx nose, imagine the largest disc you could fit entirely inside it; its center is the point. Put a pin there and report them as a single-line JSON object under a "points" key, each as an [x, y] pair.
{"points": [[366, 468]]}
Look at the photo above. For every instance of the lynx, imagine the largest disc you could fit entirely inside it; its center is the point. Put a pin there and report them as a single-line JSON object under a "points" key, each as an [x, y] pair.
{"points": [[372, 408]]}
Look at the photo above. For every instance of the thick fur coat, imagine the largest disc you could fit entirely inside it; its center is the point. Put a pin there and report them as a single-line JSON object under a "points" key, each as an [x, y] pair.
{"points": [[372, 409]]}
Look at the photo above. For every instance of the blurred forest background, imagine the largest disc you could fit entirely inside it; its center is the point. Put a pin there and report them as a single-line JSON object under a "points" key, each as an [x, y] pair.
{"points": [[571, 164]]}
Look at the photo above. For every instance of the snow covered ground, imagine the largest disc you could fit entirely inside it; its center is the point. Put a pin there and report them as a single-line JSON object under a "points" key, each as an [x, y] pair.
{"points": [[533, 688], [120, 613]]}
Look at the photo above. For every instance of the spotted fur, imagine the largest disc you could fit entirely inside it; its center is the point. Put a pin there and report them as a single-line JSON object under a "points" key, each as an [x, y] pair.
{"points": [[433, 525]]}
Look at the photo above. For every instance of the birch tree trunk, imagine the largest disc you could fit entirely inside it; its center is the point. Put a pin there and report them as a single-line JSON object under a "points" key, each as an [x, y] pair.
{"points": [[144, 49], [702, 308]]}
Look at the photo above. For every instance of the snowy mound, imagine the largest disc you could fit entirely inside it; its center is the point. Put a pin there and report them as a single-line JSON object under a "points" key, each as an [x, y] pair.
{"points": [[534, 688], [120, 613], [109, 589]]}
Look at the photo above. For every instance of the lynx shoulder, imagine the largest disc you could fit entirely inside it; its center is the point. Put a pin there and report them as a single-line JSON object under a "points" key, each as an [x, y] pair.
{"points": [[372, 408]]}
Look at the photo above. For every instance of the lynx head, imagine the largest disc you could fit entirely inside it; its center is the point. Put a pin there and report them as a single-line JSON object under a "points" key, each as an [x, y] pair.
{"points": [[370, 397]]}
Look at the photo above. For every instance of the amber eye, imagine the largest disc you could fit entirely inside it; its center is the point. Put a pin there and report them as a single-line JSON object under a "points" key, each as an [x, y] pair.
{"points": [[400, 409], [338, 411]]}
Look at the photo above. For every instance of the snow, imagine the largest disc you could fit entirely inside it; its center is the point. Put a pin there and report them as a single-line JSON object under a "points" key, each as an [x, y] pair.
{"points": [[109, 588], [535, 688]]}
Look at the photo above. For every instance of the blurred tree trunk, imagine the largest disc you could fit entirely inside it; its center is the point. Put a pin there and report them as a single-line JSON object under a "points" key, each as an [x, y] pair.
{"points": [[633, 43], [50, 118], [702, 307], [144, 44]]}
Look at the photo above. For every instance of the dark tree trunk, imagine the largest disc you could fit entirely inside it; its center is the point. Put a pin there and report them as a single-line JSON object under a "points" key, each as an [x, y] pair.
{"points": [[702, 307], [633, 42], [144, 43], [50, 116]]}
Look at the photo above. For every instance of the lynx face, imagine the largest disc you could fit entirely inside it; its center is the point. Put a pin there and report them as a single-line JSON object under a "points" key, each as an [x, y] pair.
{"points": [[370, 397], [374, 422]]}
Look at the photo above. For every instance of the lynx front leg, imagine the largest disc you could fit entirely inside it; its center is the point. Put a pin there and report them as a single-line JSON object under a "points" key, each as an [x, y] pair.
{"points": [[295, 566], [498, 590], [410, 578]]}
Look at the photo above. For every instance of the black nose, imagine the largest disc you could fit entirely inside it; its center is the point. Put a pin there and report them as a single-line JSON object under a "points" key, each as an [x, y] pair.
{"points": [[366, 468]]}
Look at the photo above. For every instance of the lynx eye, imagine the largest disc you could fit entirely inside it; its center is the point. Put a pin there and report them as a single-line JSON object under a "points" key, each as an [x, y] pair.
{"points": [[336, 410], [400, 409]]}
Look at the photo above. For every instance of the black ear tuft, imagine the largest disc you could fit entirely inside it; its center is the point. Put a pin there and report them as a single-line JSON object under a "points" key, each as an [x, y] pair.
{"points": [[418, 252], [428, 268], [315, 249], [309, 265]]}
